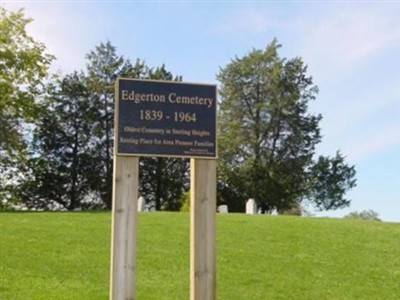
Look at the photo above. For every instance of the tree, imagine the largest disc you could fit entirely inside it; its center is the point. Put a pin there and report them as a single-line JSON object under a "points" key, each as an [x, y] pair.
{"points": [[330, 178], [103, 67], [267, 137], [72, 152], [24, 66], [163, 180], [368, 215], [60, 166]]}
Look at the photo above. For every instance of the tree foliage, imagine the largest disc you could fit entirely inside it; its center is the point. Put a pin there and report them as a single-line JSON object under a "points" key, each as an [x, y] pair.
{"points": [[23, 67], [330, 178], [73, 141], [163, 180], [61, 167], [368, 215], [267, 136], [71, 159], [104, 65]]}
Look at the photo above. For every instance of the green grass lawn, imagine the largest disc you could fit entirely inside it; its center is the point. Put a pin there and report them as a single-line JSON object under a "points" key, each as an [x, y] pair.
{"points": [[66, 256]]}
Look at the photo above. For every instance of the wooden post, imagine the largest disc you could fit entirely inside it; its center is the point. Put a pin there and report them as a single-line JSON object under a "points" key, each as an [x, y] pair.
{"points": [[123, 236], [202, 229]]}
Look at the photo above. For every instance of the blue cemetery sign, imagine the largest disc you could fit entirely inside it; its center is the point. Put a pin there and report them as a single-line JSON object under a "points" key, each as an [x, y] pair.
{"points": [[165, 118]]}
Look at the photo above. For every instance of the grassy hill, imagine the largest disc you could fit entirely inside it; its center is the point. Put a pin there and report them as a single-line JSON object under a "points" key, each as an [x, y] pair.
{"points": [[66, 256]]}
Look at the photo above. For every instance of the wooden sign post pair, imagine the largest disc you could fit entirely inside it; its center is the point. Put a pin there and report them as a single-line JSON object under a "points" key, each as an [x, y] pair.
{"points": [[172, 119]]}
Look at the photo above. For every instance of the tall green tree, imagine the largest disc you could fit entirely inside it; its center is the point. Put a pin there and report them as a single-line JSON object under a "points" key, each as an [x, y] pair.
{"points": [[104, 65], [24, 65], [72, 152], [60, 167], [267, 136], [329, 180], [73, 140], [163, 180]]}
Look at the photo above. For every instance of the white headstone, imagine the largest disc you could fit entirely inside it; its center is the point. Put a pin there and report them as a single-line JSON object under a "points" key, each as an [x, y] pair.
{"points": [[141, 205], [223, 209], [251, 207]]}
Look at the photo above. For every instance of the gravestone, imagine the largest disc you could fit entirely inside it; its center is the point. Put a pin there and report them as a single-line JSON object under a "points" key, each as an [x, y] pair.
{"points": [[141, 204], [223, 209], [251, 207]]}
